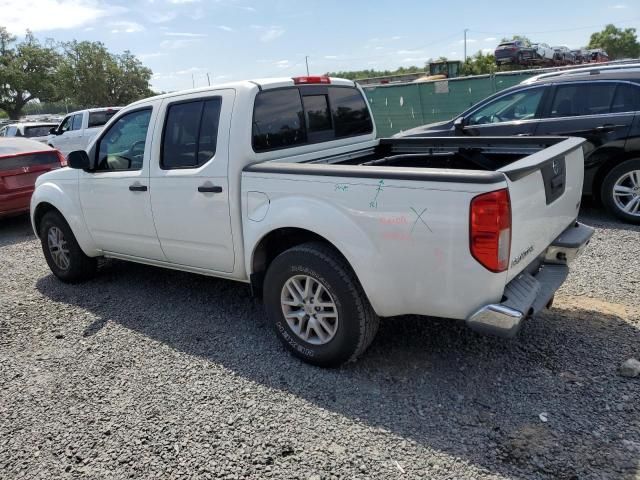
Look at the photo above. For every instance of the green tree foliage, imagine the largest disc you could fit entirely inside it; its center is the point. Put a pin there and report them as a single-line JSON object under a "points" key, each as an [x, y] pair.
{"points": [[618, 43], [360, 74], [479, 64], [92, 76], [522, 38], [28, 70]]}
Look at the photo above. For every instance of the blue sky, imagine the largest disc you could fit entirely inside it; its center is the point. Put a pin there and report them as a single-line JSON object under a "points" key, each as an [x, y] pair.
{"points": [[183, 40]]}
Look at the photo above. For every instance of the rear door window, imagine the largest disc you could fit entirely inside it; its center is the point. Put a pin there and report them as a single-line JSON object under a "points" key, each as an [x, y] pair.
{"points": [[190, 133], [278, 120], [626, 99], [580, 99]]}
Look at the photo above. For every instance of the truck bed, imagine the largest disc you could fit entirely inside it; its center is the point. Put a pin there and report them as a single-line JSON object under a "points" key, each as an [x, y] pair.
{"points": [[458, 153]]}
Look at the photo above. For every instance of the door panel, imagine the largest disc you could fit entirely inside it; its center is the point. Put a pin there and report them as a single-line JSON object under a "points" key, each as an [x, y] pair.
{"points": [[116, 207], [190, 199], [514, 113], [594, 111]]}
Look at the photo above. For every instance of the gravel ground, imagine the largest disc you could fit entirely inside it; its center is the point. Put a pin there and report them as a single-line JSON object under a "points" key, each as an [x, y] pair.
{"points": [[150, 373]]}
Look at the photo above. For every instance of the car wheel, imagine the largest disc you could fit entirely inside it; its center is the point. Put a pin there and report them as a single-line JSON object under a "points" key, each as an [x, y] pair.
{"points": [[317, 306], [64, 256], [621, 191]]}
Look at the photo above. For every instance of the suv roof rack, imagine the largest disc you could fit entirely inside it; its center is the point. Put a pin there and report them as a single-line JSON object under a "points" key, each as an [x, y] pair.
{"points": [[594, 70]]}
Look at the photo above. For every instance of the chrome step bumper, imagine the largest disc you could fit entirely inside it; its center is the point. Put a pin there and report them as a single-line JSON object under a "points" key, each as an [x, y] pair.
{"points": [[528, 294]]}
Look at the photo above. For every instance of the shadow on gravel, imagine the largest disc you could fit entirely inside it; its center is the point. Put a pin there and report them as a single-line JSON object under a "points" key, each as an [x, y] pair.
{"points": [[427, 380], [15, 230]]}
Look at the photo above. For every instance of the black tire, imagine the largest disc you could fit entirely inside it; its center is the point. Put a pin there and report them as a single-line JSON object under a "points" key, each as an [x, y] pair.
{"points": [[357, 323], [80, 266], [606, 192]]}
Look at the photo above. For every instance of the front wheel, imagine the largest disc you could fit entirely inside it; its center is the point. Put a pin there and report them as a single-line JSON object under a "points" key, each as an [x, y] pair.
{"points": [[621, 191], [64, 256], [317, 305]]}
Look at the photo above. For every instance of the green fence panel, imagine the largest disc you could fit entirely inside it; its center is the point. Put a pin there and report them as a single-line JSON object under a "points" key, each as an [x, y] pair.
{"points": [[400, 107]]}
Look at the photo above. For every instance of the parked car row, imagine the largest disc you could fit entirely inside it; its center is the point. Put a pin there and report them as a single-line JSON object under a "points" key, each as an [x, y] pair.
{"points": [[74, 132], [599, 104], [519, 52]]}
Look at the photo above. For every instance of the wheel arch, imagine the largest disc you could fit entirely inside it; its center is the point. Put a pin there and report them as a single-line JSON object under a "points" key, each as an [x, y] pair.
{"points": [[50, 197], [604, 169], [276, 241]]}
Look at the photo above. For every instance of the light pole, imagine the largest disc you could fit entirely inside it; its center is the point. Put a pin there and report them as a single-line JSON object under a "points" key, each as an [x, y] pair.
{"points": [[465, 44], [306, 60]]}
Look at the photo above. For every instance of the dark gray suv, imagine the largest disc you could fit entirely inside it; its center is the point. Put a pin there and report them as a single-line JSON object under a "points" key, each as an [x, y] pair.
{"points": [[602, 107]]}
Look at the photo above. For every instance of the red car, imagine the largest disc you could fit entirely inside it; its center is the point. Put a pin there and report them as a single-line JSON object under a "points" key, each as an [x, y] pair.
{"points": [[21, 162]]}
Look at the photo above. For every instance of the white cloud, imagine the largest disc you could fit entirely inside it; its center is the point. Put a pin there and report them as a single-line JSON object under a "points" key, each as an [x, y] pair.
{"points": [[331, 57], [185, 34], [488, 50], [181, 2], [282, 64], [45, 15], [147, 56], [225, 28], [178, 43], [619, 6], [271, 33], [161, 17], [189, 71], [409, 52], [490, 39], [125, 27]]}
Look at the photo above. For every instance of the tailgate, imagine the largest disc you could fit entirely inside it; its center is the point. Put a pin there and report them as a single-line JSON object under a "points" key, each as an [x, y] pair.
{"points": [[545, 189]]}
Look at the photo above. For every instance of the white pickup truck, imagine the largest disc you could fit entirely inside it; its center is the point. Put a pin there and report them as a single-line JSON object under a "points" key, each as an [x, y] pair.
{"points": [[282, 184], [78, 129]]}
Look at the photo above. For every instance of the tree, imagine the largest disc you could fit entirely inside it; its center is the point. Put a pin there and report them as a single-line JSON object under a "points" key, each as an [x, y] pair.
{"points": [[479, 64], [27, 71], [522, 38], [92, 76], [616, 42]]}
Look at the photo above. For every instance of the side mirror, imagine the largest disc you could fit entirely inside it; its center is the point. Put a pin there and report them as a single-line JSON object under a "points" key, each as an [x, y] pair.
{"points": [[79, 159], [53, 130], [458, 123]]}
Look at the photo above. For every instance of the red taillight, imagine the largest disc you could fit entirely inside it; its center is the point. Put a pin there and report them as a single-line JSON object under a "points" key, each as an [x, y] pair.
{"points": [[490, 229], [311, 80], [63, 161]]}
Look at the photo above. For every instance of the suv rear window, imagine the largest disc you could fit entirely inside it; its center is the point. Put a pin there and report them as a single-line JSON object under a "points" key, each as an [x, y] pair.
{"points": [[97, 119], [39, 131], [290, 117]]}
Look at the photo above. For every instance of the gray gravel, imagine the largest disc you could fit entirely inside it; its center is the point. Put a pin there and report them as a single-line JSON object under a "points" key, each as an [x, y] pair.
{"points": [[147, 373]]}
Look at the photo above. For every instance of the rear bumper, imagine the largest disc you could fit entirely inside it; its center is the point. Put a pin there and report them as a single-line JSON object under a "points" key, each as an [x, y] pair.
{"points": [[529, 293]]}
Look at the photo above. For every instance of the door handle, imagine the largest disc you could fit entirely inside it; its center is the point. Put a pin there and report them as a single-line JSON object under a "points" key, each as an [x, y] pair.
{"points": [[607, 128], [138, 188], [524, 135], [210, 189]]}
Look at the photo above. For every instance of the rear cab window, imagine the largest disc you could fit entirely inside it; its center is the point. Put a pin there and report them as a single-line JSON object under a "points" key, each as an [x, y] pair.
{"points": [[294, 116], [37, 131], [98, 119]]}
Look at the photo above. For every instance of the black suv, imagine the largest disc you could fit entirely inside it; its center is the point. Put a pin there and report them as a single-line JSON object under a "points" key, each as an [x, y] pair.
{"points": [[600, 106]]}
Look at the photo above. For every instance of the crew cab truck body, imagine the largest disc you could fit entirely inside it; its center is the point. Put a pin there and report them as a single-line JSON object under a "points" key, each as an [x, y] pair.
{"points": [[282, 184], [78, 129]]}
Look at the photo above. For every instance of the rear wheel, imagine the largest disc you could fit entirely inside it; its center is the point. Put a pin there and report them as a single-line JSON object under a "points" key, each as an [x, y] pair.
{"points": [[621, 191], [317, 305], [64, 256]]}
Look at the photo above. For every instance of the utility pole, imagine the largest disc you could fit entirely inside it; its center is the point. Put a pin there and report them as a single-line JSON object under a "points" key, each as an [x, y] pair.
{"points": [[465, 44], [306, 60], [193, 81], [208, 79]]}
